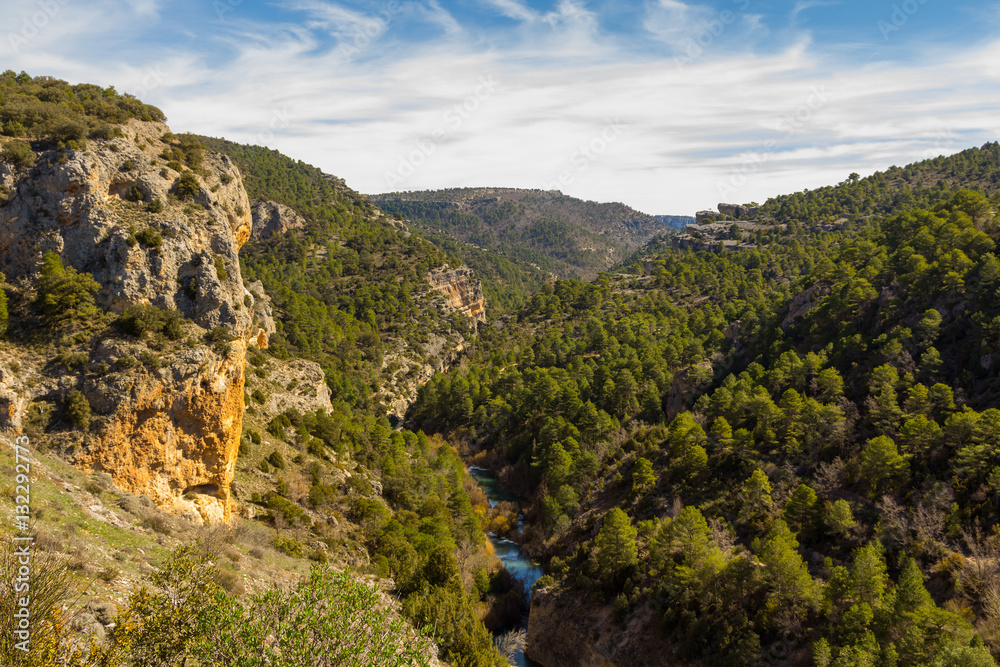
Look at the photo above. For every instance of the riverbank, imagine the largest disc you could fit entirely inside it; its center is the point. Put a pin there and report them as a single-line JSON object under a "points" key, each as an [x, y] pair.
{"points": [[521, 568]]}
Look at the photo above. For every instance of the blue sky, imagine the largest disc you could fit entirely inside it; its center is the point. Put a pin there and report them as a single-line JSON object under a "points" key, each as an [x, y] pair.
{"points": [[668, 106]]}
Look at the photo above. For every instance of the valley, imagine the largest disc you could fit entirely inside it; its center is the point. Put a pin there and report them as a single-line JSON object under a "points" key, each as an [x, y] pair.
{"points": [[257, 397]]}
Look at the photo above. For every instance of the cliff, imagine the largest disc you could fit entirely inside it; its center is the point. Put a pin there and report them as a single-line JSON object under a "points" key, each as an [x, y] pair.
{"points": [[167, 237], [270, 218], [462, 291], [566, 630]]}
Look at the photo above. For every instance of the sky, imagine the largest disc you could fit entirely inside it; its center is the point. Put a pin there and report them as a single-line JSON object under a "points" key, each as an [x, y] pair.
{"points": [[670, 107]]}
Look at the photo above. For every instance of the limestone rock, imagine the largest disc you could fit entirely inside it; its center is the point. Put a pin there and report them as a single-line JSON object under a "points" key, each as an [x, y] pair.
{"points": [[270, 218], [461, 289], [77, 208], [297, 384], [171, 433], [262, 315]]}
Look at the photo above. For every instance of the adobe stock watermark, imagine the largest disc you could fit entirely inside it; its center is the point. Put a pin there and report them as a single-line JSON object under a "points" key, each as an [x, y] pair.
{"points": [[453, 118], [152, 79], [280, 119], [943, 141], [588, 154], [370, 30], [900, 16], [33, 23], [22, 544], [694, 47], [223, 7], [788, 125]]}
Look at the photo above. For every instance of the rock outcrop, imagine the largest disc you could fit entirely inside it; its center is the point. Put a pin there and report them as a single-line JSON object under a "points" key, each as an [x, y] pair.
{"points": [[270, 218], [168, 427], [564, 628], [461, 289], [295, 384]]}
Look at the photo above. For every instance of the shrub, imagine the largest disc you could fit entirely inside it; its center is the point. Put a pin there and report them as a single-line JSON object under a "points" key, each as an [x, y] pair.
{"points": [[64, 293], [150, 238], [291, 512], [187, 186], [150, 360], [138, 319], [277, 460], [19, 154], [77, 409], [155, 206], [125, 362], [13, 128], [220, 269], [289, 546], [50, 585], [72, 360]]}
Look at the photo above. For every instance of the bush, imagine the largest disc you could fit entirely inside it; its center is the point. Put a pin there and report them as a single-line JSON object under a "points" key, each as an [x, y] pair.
{"points": [[187, 186], [77, 409], [13, 128], [150, 238], [138, 319], [64, 293], [150, 360], [277, 460], [19, 154], [289, 546], [220, 269], [291, 512], [155, 206]]}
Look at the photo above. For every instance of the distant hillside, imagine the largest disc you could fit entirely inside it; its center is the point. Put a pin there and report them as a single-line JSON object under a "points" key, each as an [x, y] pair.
{"points": [[568, 237]]}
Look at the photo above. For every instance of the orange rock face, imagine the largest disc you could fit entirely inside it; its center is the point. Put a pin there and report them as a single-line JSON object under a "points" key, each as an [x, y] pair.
{"points": [[462, 290], [177, 441]]}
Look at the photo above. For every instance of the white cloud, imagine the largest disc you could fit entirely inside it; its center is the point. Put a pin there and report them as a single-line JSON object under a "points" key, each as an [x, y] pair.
{"points": [[686, 135], [515, 10]]}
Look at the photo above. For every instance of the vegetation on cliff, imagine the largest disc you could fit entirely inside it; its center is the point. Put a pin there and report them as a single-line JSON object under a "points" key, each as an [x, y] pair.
{"points": [[316, 480]]}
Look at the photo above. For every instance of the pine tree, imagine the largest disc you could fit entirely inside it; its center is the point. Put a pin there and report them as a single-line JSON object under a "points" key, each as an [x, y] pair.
{"points": [[615, 545]]}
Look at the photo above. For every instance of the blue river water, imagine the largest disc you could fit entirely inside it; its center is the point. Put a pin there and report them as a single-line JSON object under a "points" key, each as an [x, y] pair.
{"points": [[520, 566]]}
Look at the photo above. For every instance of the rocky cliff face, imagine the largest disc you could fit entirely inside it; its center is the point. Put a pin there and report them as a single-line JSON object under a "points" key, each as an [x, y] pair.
{"points": [[566, 630], [270, 218], [169, 429], [462, 291]]}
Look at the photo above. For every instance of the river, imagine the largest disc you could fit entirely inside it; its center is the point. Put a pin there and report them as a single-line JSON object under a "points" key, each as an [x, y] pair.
{"points": [[520, 566]]}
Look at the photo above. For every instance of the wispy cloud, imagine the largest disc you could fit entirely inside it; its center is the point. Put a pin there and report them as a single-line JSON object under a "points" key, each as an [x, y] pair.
{"points": [[562, 77], [803, 5], [515, 10]]}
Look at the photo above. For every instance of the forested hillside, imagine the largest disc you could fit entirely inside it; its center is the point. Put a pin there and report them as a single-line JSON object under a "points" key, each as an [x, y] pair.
{"points": [[785, 450], [547, 231]]}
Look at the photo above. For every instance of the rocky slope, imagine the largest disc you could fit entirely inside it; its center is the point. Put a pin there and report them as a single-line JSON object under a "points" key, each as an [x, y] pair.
{"points": [[170, 429], [564, 628], [270, 218]]}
